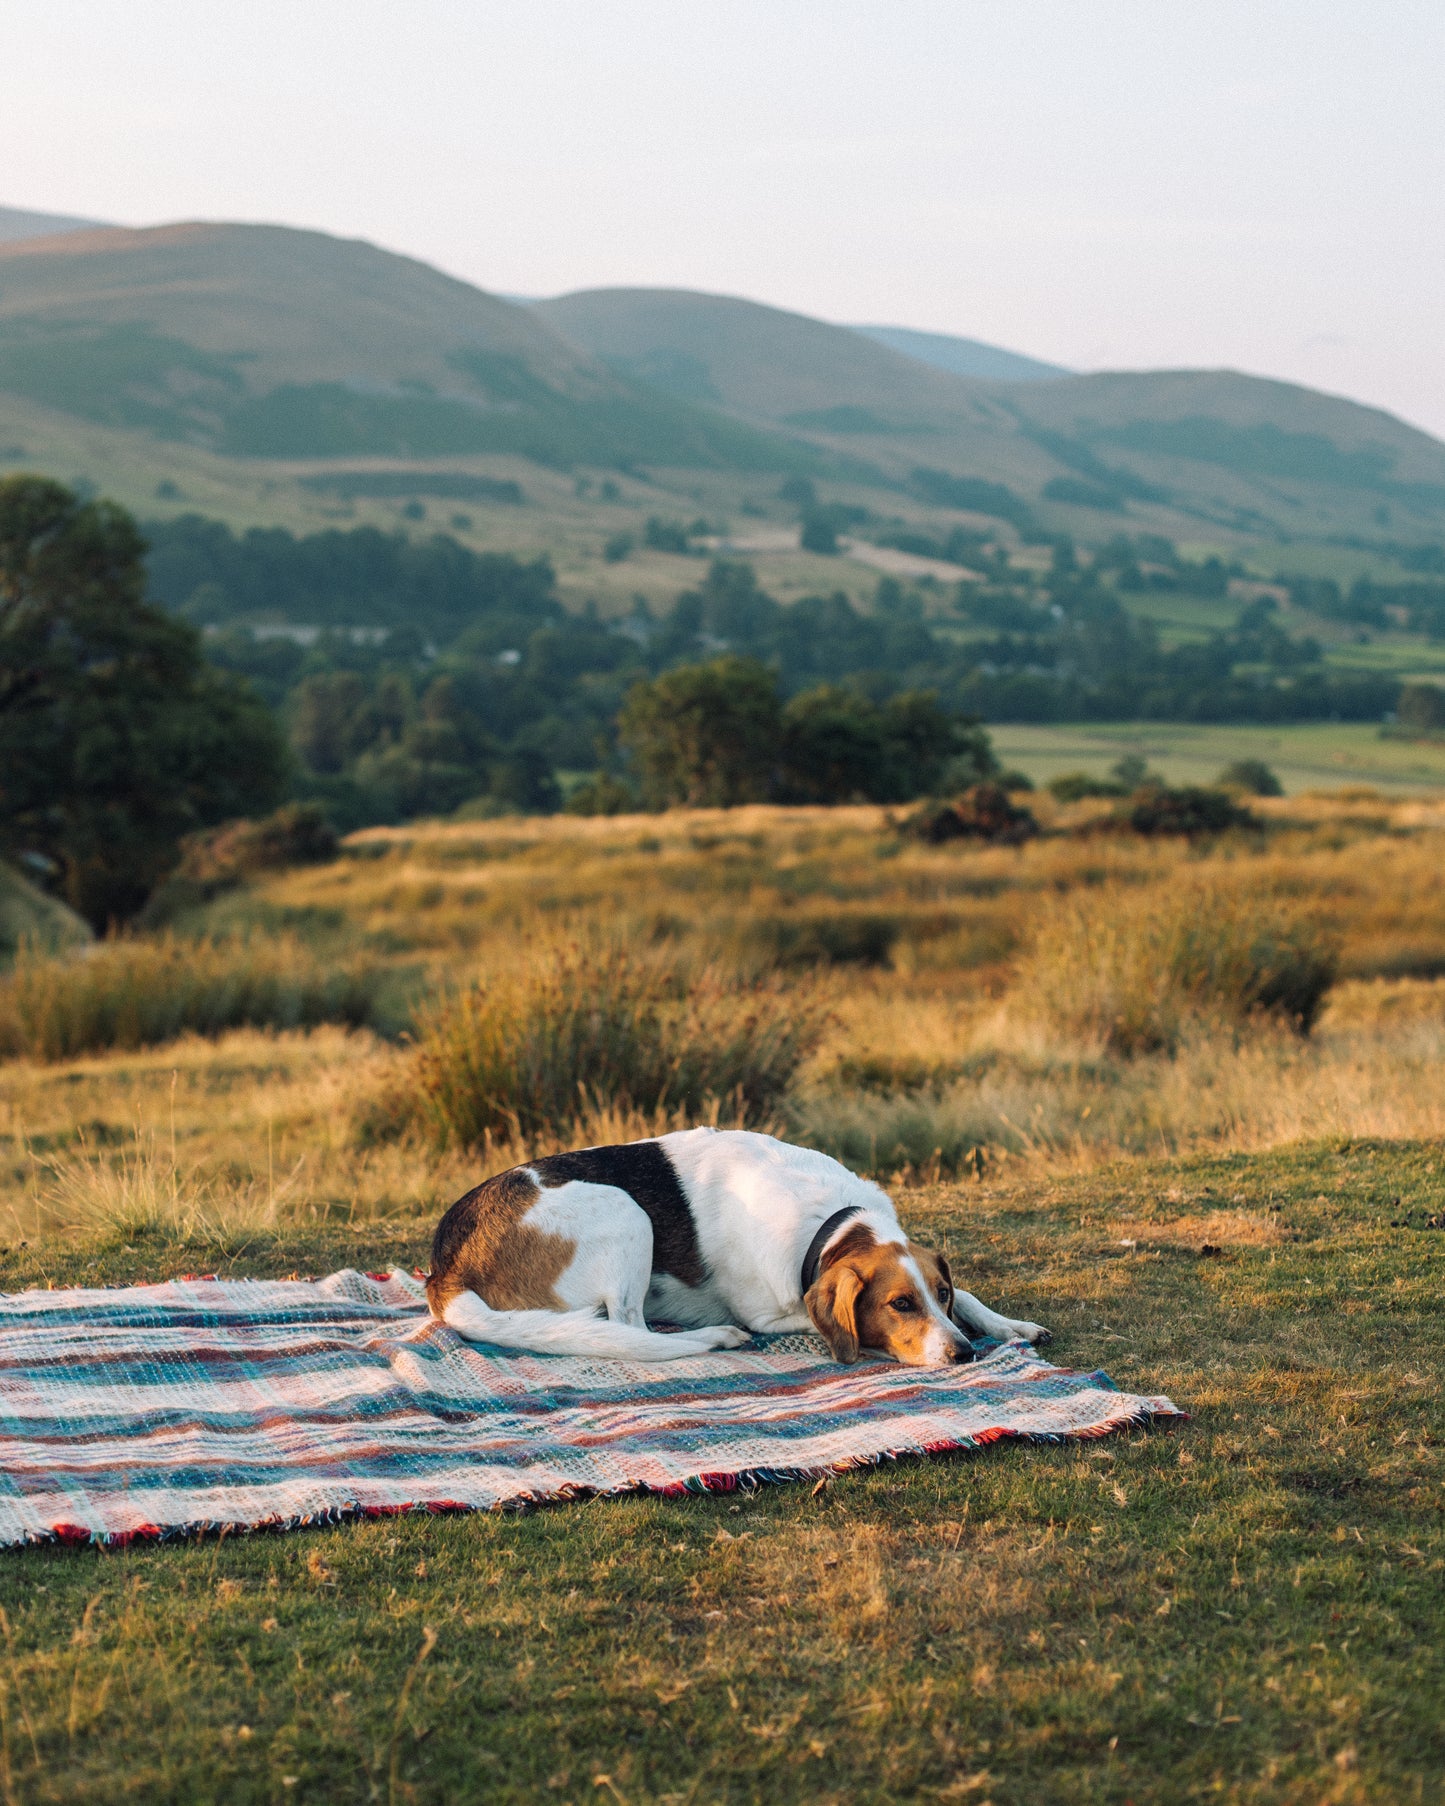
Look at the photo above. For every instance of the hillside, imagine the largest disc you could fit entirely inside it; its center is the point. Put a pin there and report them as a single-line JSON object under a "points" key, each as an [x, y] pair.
{"points": [[1167, 448], [265, 375], [260, 340], [962, 357], [831, 384], [17, 223]]}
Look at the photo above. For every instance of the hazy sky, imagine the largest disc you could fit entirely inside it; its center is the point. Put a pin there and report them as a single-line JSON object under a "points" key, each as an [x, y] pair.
{"points": [[1105, 183]]}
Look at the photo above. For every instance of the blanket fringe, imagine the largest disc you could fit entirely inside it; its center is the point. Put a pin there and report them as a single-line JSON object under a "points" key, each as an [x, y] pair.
{"points": [[744, 1480]]}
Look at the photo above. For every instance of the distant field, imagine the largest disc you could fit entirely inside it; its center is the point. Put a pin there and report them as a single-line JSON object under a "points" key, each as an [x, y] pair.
{"points": [[1318, 755]]}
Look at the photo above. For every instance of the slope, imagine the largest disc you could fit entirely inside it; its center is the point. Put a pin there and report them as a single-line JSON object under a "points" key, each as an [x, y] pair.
{"points": [[261, 340], [962, 357], [17, 223], [1165, 448], [1267, 451]]}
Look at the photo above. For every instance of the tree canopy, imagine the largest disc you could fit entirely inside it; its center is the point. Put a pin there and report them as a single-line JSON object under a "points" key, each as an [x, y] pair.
{"points": [[718, 733], [116, 737]]}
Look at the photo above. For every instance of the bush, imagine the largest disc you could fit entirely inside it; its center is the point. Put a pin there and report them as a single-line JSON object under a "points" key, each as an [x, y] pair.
{"points": [[30, 918], [222, 858], [1074, 786], [666, 535], [983, 812], [1421, 709], [1188, 810], [1252, 776], [136, 993], [575, 1029], [602, 794], [820, 532], [1133, 973], [297, 834], [795, 941], [618, 547]]}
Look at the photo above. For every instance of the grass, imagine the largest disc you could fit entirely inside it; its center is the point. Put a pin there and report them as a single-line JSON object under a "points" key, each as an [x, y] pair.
{"points": [[135, 993], [1249, 1608], [579, 1027], [1129, 974], [1317, 755]]}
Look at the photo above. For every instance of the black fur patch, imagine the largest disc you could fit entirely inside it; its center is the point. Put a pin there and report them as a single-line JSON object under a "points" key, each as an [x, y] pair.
{"points": [[643, 1170]]}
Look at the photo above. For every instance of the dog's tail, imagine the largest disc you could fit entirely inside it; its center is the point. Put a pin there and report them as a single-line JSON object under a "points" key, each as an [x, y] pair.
{"points": [[580, 1333]]}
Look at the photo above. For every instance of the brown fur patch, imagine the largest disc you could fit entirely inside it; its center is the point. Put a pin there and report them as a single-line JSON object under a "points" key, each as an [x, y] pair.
{"points": [[483, 1245], [861, 1283]]}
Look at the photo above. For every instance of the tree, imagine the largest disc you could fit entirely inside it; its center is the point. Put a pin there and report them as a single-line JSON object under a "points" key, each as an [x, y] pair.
{"points": [[116, 737], [1252, 776], [820, 531], [1421, 709], [705, 735], [839, 747], [834, 745]]}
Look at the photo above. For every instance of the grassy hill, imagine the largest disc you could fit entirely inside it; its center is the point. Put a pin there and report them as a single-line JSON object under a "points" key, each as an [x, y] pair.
{"points": [[262, 341], [1268, 454], [269, 376], [963, 357], [17, 222]]}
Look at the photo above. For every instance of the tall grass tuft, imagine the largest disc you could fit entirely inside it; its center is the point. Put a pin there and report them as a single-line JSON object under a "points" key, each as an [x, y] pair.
{"points": [[573, 1029], [1132, 972], [136, 993]]}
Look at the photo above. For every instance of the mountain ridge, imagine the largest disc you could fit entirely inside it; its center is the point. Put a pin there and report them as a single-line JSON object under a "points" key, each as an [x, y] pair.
{"points": [[963, 356], [267, 342]]}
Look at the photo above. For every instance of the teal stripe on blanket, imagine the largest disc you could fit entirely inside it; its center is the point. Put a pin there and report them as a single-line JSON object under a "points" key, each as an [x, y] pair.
{"points": [[202, 1404]]}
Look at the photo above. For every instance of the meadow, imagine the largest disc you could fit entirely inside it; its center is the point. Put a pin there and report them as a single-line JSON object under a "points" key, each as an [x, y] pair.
{"points": [[1081, 1064]]}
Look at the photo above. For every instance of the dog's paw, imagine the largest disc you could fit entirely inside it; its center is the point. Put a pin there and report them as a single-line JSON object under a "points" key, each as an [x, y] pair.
{"points": [[1035, 1333], [723, 1335]]}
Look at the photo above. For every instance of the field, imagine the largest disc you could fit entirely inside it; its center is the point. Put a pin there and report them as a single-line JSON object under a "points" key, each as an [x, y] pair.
{"points": [[1316, 756], [1135, 1147]]}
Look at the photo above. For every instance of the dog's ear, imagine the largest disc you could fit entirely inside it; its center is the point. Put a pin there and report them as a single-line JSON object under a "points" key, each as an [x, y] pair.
{"points": [[832, 1305]]}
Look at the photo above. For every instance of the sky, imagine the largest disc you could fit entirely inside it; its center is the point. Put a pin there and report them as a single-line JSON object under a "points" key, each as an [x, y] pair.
{"points": [[1106, 184]]}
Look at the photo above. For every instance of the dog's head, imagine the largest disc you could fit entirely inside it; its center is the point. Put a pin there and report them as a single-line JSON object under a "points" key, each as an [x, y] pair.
{"points": [[892, 1298]]}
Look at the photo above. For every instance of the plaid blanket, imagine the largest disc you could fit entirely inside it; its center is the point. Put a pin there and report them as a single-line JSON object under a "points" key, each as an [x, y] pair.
{"points": [[158, 1410]]}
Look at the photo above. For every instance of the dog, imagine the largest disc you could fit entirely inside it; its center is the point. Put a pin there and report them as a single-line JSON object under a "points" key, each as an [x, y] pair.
{"points": [[724, 1232]]}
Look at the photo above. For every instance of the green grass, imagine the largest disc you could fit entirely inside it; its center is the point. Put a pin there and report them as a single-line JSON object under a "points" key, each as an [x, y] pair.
{"points": [[1318, 755], [1249, 1608]]}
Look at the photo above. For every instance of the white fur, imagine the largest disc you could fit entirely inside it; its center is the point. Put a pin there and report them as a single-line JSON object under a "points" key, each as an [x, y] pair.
{"points": [[580, 1333], [756, 1205]]}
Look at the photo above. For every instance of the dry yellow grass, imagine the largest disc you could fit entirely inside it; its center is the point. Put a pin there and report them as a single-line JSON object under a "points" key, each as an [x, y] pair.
{"points": [[934, 1060]]}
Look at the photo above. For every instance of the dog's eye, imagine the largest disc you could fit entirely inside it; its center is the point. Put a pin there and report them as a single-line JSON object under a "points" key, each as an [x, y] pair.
{"points": [[943, 1297], [904, 1305]]}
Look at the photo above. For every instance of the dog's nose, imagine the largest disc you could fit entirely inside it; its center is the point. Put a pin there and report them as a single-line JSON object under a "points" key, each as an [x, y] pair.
{"points": [[961, 1353]]}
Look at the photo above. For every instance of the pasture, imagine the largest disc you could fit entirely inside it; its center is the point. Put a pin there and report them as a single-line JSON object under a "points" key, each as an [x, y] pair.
{"points": [[1313, 756], [1139, 1149]]}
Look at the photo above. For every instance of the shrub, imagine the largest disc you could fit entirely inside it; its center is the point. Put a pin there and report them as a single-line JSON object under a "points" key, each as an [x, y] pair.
{"points": [[1189, 810], [666, 535], [819, 532], [794, 940], [1252, 776], [136, 993], [297, 834], [579, 1028], [602, 794], [983, 812], [31, 918], [220, 859], [1074, 786], [1132, 973], [1421, 709]]}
